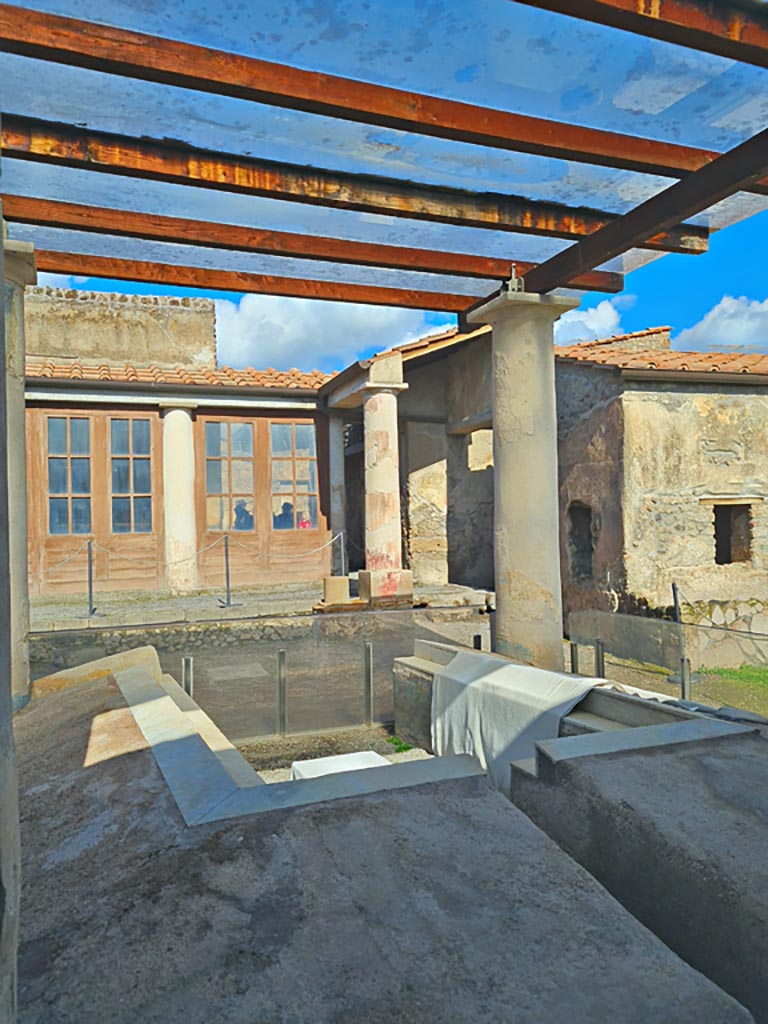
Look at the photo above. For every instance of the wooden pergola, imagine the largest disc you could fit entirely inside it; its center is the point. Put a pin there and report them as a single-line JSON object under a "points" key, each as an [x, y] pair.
{"points": [[737, 30]]}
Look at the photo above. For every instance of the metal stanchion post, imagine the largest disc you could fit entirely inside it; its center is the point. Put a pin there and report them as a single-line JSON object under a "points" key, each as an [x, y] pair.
{"points": [[342, 540], [599, 659], [574, 658], [226, 570], [188, 675], [685, 678], [91, 609], [368, 684], [282, 696]]}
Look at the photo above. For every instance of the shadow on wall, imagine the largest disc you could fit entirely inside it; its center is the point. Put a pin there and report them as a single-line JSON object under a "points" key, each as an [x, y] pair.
{"points": [[470, 509]]}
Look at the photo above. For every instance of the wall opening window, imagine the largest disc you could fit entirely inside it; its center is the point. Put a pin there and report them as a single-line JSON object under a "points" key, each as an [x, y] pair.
{"points": [[733, 533], [294, 476], [229, 476], [69, 475], [131, 451], [581, 541]]}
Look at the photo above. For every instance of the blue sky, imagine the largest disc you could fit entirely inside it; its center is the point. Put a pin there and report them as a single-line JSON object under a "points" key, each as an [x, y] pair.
{"points": [[715, 301]]}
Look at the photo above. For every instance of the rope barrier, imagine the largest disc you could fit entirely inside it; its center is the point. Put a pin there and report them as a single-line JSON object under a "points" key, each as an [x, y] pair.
{"points": [[50, 568]]}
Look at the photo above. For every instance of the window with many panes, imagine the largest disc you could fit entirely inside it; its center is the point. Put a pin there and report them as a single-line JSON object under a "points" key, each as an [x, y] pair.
{"points": [[294, 476], [69, 474], [131, 474], [229, 476]]}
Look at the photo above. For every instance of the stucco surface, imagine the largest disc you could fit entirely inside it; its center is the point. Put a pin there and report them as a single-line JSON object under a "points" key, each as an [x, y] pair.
{"points": [[142, 330], [436, 903], [679, 836]]}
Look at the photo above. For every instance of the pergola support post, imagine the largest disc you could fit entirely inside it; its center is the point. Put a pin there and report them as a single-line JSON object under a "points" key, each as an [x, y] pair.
{"points": [[529, 617]]}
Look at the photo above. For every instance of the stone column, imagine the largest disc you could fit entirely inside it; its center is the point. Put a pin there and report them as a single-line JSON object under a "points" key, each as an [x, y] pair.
{"points": [[529, 617], [18, 271], [179, 497], [384, 578], [338, 516]]}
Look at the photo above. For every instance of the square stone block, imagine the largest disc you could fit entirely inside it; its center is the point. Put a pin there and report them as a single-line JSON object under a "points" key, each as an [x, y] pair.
{"points": [[336, 589], [318, 766], [386, 586]]}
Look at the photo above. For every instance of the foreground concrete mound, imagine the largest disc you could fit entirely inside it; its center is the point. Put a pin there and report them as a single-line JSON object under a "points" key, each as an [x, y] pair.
{"points": [[440, 902]]}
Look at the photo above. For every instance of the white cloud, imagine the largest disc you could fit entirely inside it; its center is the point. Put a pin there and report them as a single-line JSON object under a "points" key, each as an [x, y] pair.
{"points": [[266, 330], [733, 323], [600, 321], [46, 280]]}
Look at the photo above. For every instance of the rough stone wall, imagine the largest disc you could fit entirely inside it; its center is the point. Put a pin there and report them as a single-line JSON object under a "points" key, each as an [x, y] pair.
{"points": [[117, 329], [427, 497], [470, 509], [681, 446], [468, 390], [590, 469]]}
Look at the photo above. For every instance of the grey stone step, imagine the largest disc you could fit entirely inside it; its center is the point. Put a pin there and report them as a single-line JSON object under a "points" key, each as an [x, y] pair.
{"points": [[579, 723]]}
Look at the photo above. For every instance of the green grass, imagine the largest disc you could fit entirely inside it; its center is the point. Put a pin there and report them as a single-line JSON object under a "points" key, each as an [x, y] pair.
{"points": [[397, 743], [746, 674]]}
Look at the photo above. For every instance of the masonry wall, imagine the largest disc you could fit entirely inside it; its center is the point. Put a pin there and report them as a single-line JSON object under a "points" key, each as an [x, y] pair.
{"points": [[684, 448], [142, 330], [590, 448]]}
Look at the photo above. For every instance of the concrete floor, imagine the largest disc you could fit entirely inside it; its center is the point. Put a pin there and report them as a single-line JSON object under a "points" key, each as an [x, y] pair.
{"points": [[440, 903]]}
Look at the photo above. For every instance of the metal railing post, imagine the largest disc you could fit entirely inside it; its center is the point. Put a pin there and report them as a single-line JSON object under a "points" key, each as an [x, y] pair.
{"points": [[574, 658], [600, 659], [228, 602], [282, 696], [188, 674], [368, 684], [685, 678], [342, 540]]}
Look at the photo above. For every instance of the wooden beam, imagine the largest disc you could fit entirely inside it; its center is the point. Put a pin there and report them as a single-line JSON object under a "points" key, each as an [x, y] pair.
{"points": [[737, 30], [731, 173], [69, 146], [152, 227], [136, 55], [111, 268]]}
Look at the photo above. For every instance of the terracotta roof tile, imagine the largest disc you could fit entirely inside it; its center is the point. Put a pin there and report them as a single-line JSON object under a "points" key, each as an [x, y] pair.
{"points": [[655, 359], [40, 368]]}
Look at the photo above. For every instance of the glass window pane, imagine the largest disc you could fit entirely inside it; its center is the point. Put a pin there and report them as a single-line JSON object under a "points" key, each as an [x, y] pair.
{"points": [[306, 512], [81, 476], [242, 439], [243, 514], [282, 513], [305, 439], [282, 475], [242, 476], [57, 435], [121, 515], [280, 439], [120, 437], [81, 515], [57, 476], [213, 476], [79, 437], [215, 438], [216, 513], [306, 475], [121, 476], [58, 515], [142, 515], [142, 477], [140, 437]]}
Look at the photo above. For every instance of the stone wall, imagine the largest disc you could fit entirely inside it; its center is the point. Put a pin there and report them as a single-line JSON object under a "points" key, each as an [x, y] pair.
{"points": [[117, 329], [590, 446], [427, 501], [684, 448]]}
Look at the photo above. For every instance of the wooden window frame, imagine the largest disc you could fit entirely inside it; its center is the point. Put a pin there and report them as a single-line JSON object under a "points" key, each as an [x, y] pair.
{"points": [[293, 459], [230, 494], [67, 457], [130, 495]]}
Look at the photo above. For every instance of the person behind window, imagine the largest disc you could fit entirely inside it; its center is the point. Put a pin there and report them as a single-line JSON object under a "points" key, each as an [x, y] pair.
{"points": [[284, 520], [304, 523], [243, 518]]}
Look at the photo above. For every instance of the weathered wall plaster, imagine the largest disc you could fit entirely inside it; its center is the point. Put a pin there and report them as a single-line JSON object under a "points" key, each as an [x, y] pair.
{"points": [[138, 329]]}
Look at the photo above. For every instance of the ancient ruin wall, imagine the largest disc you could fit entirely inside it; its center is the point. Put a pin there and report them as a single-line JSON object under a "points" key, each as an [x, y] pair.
{"points": [[684, 447], [65, 324]]}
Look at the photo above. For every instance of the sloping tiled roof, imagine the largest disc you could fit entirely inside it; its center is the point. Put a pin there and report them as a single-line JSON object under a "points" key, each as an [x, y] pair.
{"points": [[47, 369], [655, 359]]}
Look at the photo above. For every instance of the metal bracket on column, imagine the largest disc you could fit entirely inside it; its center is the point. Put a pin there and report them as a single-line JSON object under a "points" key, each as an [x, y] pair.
{"points": [[515, 283]]}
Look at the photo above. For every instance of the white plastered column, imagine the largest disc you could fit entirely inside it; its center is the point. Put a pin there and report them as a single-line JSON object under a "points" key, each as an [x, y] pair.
{"points": [[338, 517], [529, 616], [179, 497], [18, 271]]}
